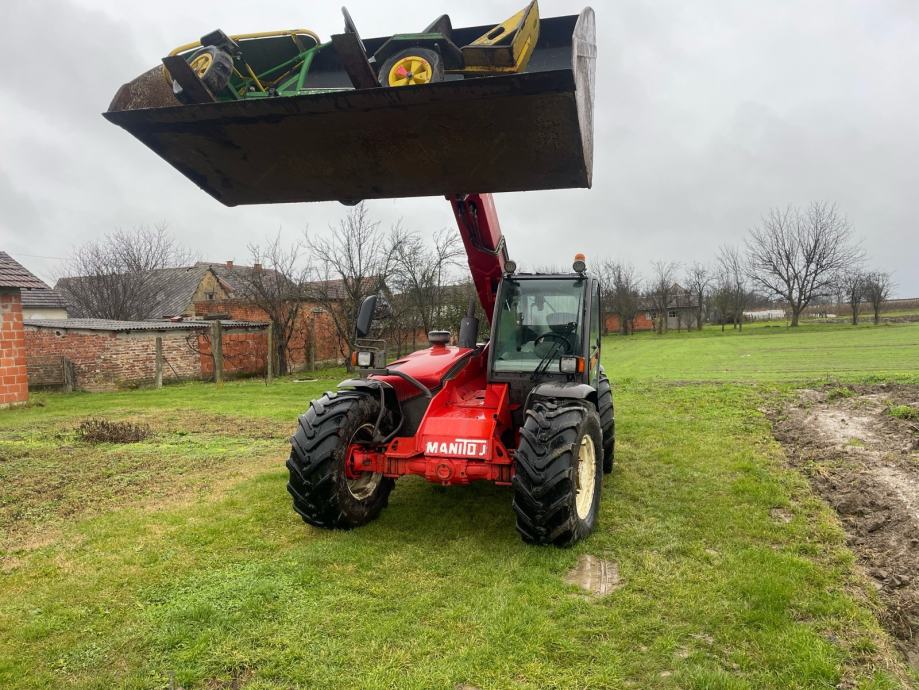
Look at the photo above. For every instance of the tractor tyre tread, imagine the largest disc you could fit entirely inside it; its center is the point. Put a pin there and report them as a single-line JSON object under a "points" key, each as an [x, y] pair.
{"points": [[545, 481], [317, 482], [607, 412]]}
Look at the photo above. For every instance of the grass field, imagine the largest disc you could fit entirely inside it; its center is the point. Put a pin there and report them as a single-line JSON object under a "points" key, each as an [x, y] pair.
{"points": [[178, 562]]}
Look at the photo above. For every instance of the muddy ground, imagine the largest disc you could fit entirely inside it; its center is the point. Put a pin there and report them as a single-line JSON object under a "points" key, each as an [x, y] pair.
{"points": [[865, 462]]}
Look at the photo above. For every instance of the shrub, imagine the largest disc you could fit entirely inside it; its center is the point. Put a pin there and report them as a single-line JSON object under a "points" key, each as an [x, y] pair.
{"points": [[903, 412], [840, 392], [104, 431]]}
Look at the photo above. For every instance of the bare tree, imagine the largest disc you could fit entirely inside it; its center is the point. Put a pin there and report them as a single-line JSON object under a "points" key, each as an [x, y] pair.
{"points": [[851, 286], [356, 259], [113, 277], [796, 254], [722, 296], [422, 275], [733, 271], [661, 291], [276, 284], [877, 289], [620, 292], [698, 282]]}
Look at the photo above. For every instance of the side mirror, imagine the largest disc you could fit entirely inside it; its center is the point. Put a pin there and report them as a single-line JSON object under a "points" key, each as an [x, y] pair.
{"points": [[365, 316]]}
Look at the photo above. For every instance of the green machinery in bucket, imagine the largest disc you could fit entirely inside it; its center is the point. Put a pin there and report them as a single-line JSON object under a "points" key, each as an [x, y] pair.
{"points": [[284, 117]]}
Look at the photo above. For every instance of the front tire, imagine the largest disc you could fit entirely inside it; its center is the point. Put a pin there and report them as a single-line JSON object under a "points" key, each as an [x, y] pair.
{"points": [[558, 475], [323, 494]]}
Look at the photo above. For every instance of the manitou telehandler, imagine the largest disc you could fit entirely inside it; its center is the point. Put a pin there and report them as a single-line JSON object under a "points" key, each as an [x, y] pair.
{"points": [[501, 108]]}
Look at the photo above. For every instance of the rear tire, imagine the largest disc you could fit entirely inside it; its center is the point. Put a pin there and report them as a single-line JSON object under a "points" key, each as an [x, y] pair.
{"points": [[216, 68], [323, 495], [607, 413], [557, 438]]}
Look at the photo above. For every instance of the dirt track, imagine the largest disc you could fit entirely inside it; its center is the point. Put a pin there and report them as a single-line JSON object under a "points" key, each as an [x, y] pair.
{"points": [[865, 463]]}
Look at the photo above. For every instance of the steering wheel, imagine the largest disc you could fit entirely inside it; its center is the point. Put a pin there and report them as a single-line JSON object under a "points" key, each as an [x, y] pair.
{"points": [[554, 336]]}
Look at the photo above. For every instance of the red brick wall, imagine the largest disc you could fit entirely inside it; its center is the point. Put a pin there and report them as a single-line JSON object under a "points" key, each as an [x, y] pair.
{"points": [[641, 322], [244, 353], [14, 380], [104, 360], [320, 324]]}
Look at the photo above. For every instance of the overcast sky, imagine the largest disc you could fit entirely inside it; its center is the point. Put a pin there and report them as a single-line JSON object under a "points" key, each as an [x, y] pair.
{"points": [[707, 113]]}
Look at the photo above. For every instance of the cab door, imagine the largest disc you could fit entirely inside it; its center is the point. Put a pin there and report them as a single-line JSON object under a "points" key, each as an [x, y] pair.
{"points": [[594, 335]]}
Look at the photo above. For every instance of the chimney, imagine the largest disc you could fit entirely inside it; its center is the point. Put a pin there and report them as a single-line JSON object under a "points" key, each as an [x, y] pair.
{"points": [[257, 266], [230, 264]]}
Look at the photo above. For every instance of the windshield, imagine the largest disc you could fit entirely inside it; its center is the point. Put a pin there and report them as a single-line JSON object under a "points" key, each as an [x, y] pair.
{"points": [[537, 320]]}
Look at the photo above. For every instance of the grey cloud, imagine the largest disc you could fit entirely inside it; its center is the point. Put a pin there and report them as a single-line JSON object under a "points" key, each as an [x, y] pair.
{"points": [[708, 113]]}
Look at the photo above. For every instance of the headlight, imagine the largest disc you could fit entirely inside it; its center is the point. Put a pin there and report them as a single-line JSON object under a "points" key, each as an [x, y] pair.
{"points": [[364, 359], [571, 365]]}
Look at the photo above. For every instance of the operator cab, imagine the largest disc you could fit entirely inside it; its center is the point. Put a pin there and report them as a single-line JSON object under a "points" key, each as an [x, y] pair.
{"points": [[546, 327]]}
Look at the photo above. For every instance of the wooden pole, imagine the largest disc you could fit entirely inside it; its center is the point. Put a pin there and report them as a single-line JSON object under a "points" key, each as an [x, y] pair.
{"points": [[312, 335], [217, 351], [270, 358], [158, 377]]}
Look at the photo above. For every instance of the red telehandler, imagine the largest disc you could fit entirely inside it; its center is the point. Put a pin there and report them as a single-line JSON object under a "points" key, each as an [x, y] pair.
{"points": [[501, 108], [531, 408]]}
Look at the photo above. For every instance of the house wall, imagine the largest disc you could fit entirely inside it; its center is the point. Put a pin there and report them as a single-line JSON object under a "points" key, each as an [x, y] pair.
{"points": [[245, 353], [208, 290], [641, 322], [14, 380], [44, 313], [308, 325]]}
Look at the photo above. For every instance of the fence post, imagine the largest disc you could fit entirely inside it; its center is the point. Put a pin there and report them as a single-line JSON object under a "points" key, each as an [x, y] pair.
{"points": [[158, 377], [69, 375], [270, 354], [217, 351]]}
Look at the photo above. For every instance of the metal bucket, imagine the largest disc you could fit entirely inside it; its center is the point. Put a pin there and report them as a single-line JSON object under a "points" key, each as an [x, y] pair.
{"points": [[525, 131]]}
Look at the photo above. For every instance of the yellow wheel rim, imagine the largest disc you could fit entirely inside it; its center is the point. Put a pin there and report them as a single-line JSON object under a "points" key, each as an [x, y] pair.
{"points": [[411, 70], [201, 64]]}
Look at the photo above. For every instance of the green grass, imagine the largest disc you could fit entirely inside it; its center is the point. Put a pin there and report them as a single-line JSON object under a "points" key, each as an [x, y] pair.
{"points": [[907, 412], [769, 353], [178, 562]]}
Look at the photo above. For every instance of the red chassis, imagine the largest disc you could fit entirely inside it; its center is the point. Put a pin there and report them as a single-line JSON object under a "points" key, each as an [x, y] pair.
{"points": [[459, 439]]}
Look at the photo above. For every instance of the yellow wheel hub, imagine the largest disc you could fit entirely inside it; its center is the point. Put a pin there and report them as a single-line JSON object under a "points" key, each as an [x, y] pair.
{"points": [[201, 64], [411, 70]]}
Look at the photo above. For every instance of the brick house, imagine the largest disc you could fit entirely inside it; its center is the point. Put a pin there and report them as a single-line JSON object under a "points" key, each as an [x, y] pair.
{"points": [[14, 382], [176, 290]]}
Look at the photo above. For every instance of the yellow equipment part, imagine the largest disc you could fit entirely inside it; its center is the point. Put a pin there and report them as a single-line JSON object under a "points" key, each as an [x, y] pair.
{"points": [[294, 34], [507, 47], [409, 71]]}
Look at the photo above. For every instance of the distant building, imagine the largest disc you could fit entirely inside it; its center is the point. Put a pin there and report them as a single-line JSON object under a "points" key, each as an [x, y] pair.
{"points": [[764, 315], [682, 313], [174, 291]]}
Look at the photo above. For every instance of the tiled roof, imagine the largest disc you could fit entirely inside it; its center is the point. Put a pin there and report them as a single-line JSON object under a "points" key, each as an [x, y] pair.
{"points": [[124, 326], [45, 298], [14, 275]]}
